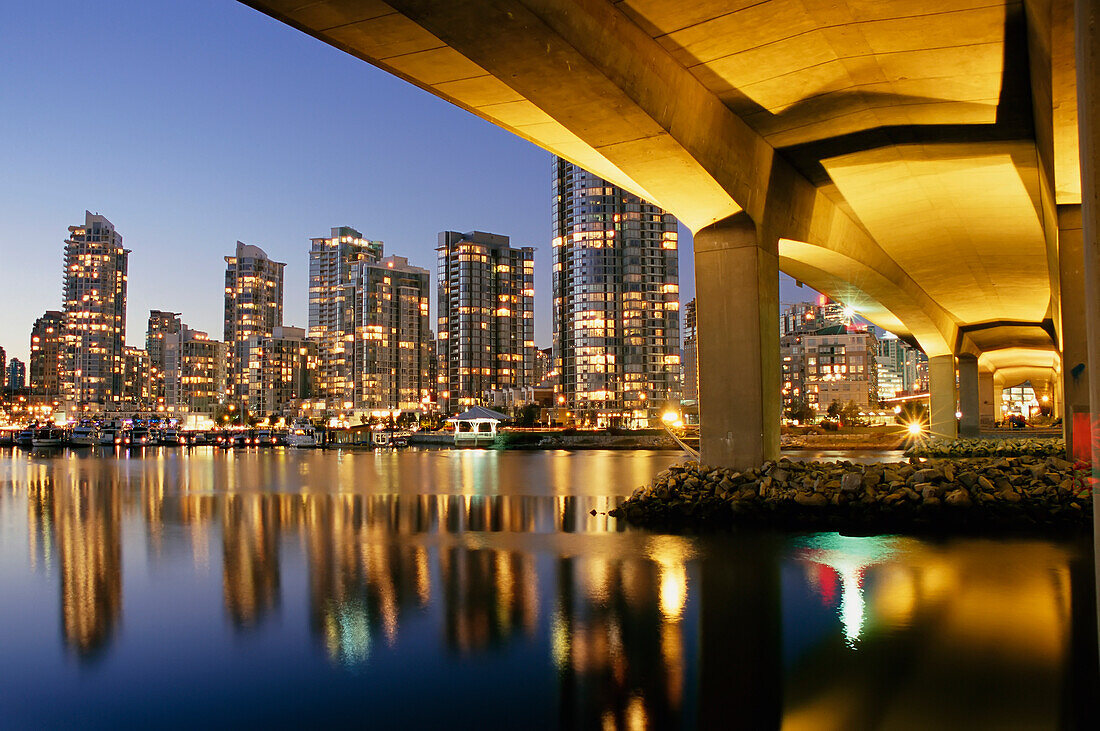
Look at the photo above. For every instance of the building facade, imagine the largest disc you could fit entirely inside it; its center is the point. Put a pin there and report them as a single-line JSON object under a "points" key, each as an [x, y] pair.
{"points": [[840, 367], [253, 308], [334, 274], [160, 323], [486, 338], [194, 373], [615, 300], [94, 332], [137, 380], [47, 349], [544, 364], [689, 357], [15, 375], [393, 353], [281, 368]]}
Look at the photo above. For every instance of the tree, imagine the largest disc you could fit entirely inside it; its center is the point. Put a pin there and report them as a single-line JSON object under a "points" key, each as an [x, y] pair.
{"points": [[527, 415], [834, 409], [850, 415], [800, 411]]}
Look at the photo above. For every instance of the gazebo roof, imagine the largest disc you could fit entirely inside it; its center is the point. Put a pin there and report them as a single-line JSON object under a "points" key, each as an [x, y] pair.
{"points": [[480, 413]]}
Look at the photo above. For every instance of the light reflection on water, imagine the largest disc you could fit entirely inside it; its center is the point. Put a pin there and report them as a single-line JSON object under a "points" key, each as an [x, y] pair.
{"points": [[476, 588]]}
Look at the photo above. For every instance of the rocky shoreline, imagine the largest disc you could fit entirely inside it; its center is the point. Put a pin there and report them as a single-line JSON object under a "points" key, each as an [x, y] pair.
{"points": [[1006, 494]]}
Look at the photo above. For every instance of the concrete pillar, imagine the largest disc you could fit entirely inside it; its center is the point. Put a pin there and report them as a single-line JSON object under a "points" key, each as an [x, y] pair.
{"points": [[968, 395], [737, 320], [1087, 47], [942, 396], [998, 403], [1075, 373], [1057, 390], [986, 406]]}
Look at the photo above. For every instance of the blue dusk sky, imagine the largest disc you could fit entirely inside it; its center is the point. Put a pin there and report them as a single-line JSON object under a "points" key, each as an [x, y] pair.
{"points": [[193, 124]]}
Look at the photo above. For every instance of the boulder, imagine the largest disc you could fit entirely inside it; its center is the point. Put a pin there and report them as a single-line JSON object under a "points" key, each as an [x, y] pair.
{"points": [[811, 499], [851, 482], [958, 498]]}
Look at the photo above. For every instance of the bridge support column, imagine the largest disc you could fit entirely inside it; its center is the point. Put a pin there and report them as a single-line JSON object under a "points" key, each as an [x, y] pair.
{"points": [[1087, 57], [968, 396], [986, 411], [942, 396], [1074, 342], [737, 296], [998, 402]]}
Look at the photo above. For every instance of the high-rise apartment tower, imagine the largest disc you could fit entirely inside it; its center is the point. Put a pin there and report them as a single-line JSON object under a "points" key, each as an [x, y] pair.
{"points": [[616, 301], [253, 308], [486, 336], [333, 297], [94, 296]]}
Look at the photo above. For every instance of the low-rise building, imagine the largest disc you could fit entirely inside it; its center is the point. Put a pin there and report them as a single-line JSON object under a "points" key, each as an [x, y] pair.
{"points": [[840, 367]]}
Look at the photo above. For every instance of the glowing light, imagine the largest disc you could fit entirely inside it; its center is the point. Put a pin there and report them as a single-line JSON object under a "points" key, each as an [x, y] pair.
{"points": [[673, 591], [914, 428], [669, 416], [849, 312]]}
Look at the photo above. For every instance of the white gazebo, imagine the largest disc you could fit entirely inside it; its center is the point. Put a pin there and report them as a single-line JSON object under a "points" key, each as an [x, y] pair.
{"points": [[477, 426]]}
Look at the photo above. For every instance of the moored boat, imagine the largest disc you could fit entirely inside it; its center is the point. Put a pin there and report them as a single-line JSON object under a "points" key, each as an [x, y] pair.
{"points": [[85, 434], [139, 437], [25, 438], [49, 436], [301, 434]]}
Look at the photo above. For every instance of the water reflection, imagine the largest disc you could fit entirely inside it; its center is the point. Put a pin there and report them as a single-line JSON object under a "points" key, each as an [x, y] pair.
{"points": [[432, 562]]}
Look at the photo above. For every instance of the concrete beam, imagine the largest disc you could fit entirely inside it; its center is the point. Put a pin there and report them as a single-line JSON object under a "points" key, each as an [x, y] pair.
{"points": [[590, 83], [737, 316]]}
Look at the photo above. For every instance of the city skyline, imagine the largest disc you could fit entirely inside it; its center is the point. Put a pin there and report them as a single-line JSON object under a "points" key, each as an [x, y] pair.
{"points": [[177, 125]]}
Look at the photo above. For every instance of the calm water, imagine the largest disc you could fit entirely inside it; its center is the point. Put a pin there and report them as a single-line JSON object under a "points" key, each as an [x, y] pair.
{"points": [[429, 589]]}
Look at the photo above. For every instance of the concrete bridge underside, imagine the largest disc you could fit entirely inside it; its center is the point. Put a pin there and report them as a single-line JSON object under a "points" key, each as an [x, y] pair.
{"points": [[919, 162]]}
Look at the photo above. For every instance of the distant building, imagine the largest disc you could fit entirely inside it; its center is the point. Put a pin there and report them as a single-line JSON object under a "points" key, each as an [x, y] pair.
{"points": [[334, 310], [803, 317], [47, 349], [94, 296], [253, 308], [689, 358], [393, 354], [194, 373], [511, 400], [544, 364], [161, 323], [3, 372], [486, 338], [137, 385], [897, 366], [616, 300], [280, 368], [839, 366], [15, 375]]}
